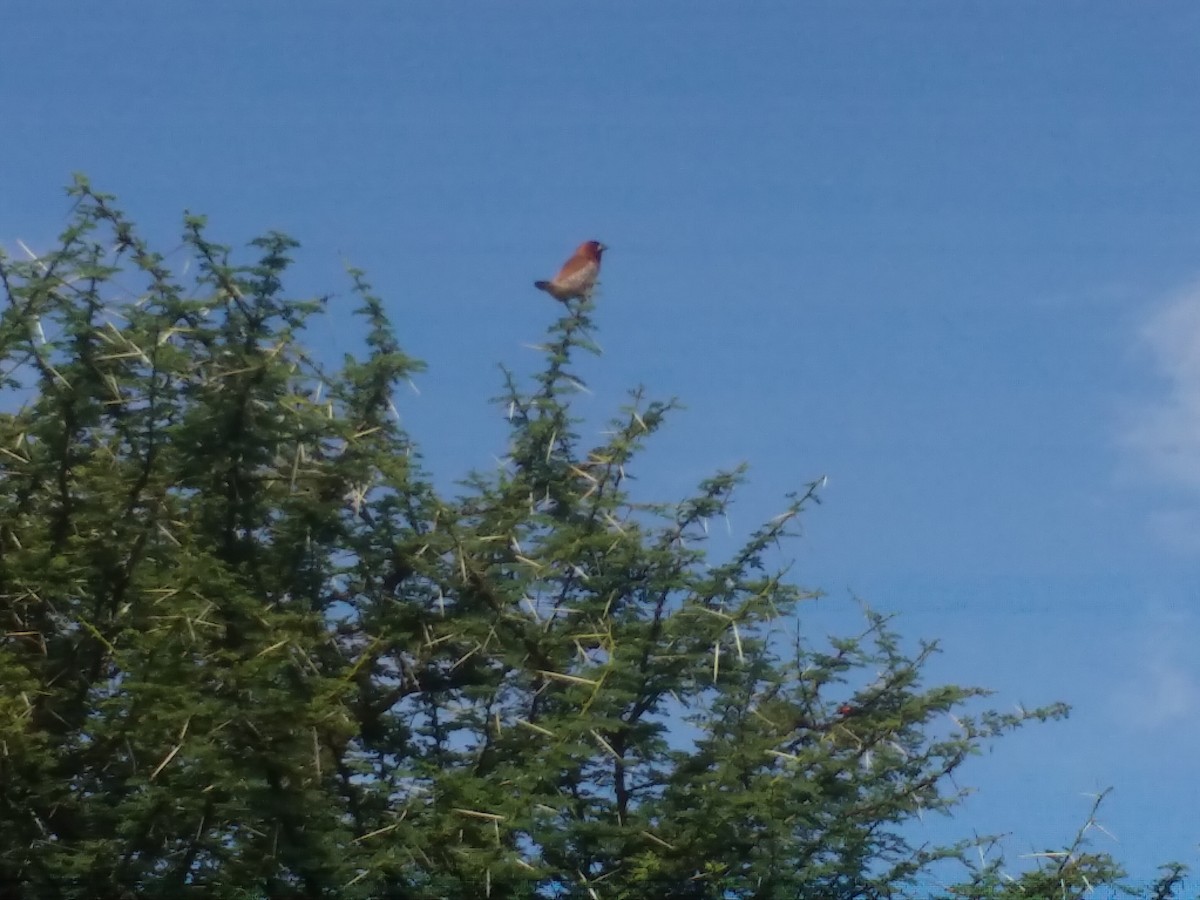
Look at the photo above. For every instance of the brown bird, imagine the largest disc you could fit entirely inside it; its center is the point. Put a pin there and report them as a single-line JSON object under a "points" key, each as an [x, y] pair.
{"points": [[578, 275]]}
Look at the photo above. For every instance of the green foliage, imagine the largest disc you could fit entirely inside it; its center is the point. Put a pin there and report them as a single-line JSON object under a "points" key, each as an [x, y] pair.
{"points": [[250, 651]]}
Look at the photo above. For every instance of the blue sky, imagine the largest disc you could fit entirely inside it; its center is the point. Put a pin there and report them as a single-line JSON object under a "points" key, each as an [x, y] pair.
{"points": [[946, 253]]}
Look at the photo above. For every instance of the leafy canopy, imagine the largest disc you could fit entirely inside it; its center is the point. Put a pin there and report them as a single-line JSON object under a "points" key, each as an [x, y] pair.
{"points": [[250, 650]]}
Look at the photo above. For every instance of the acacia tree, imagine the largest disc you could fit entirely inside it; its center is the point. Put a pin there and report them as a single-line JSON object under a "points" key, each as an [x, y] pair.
{"points": [[249, 650]]}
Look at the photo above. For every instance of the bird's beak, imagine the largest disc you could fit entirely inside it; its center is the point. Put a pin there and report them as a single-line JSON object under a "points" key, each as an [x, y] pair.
{"points": [[603, 247]]}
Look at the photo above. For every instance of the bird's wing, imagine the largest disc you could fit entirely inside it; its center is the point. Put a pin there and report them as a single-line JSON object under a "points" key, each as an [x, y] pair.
{"points": [[576, 270]]}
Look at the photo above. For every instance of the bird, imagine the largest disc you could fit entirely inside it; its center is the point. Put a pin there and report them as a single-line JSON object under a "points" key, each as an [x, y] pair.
{"points": [[578, 275]]}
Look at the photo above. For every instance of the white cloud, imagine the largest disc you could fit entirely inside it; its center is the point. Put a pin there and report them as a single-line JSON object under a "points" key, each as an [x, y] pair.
{"points": [[1163, 685], [1165, 433], [1177, 528], [1160, 686]]}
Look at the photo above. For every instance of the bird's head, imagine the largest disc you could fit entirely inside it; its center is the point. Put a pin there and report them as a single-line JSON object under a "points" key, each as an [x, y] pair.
{"points": [[591, 249]]}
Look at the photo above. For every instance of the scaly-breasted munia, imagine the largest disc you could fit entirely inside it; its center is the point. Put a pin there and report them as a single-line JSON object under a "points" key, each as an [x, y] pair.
{"points": [[578, 275]]}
